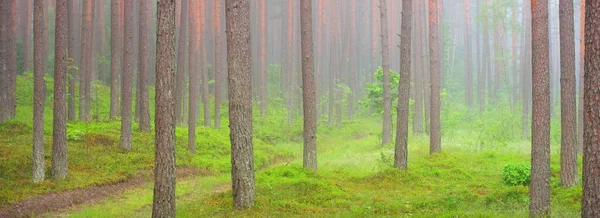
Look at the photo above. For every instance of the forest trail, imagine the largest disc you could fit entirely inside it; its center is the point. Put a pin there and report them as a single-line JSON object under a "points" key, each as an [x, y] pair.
{"points": [[63, 200], [137, 200]]}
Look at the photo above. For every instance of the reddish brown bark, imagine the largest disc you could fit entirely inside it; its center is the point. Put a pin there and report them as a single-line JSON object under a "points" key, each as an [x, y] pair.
{"points": [[262, 53], [308, 87], [86, 67], [143, 67], [568, 107], [385, 57], [59, 133], [591, 143], [539, 189], [182, 62], [218, 61], [71, 58], [116, 37], [193, 81], [435, 134], [580, 126], [126, 81], [8, 62]]}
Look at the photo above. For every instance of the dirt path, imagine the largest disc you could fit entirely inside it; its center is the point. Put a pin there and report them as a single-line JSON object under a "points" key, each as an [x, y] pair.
{"points": [[62, 200]]}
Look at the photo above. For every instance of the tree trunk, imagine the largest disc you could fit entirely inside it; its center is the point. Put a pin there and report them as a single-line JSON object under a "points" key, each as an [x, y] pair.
{"points": [[539, 191], [71, 58], [59, 133], [435, 135], [580, 123], [385, 57], [308, 87], [240, 102], [182, 62], [289, 72], [27, 37], [126, 82], [204, 69], [143, 67], [591, 154], [568, 153], [193, 81], [8, 60], [526, 74], [515, 83], [486, 63], [164, 171], [116, 39], [262, 47], [419, 72], [86, 63], [401, 155], [218, 61], [480, 67], [38, 90], [468, 55]]}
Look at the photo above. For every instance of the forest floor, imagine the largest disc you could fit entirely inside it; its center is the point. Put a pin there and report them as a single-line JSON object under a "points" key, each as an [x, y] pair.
{"points": [[355, 178]]}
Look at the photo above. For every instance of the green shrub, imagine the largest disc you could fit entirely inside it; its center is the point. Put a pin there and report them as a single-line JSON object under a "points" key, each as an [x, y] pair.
{"points": [[75, 135], [516, 174]]}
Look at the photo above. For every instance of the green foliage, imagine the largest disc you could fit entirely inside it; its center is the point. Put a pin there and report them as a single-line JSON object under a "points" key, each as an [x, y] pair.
{"points": [[94, 156], [375, 91], [75, 135], [516, 174]]}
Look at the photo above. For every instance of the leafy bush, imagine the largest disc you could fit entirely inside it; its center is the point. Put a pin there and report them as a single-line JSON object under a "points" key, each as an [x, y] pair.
{"points": [[375, 91], [75, 135], [516, 174]]}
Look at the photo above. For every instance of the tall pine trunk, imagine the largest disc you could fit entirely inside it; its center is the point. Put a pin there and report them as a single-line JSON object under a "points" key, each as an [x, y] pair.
{"points": [[218, 61], [401, 154], [71, 58], [116, 39], [568, 153], [182, 62], [308, 87], [435, 136], [38, 92], [591, 154], [240, 102], [193, 80], [164, 171], [143, 66], [59, 133], [539, 191], [126, 82], [385, 57]]}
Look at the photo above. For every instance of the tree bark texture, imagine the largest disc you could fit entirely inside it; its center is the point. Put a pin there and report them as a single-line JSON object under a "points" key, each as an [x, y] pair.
{"points": [[435, 136], [591, 141], [164, 171], [385, 59], [59, 134], [308, 87], [568, 107], [401, 154], [143, 66], [126, 75], [539, 189], [38, 92], [240, 102], [116, 41]]}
